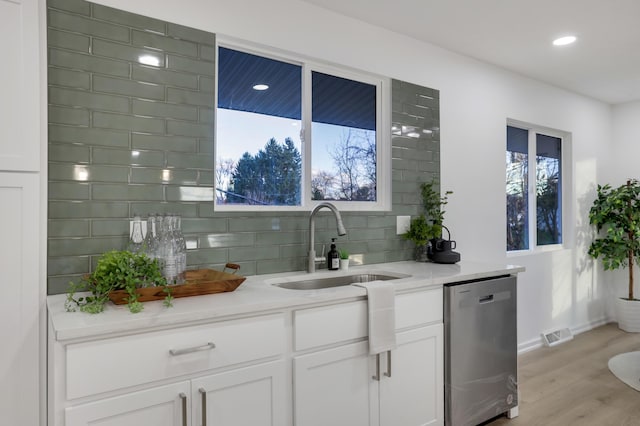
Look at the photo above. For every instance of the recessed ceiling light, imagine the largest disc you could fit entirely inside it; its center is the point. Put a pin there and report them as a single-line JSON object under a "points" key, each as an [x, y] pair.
{"points": [[563, 41], [261, 87]]}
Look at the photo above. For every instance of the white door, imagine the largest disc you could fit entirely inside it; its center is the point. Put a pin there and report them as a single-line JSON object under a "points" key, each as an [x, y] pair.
{"points": [[335, 387], [19, 85], [253, 396], [161, 406], [413, 394]]}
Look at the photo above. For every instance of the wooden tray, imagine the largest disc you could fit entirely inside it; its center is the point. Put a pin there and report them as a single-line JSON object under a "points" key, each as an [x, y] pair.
{"points": [[199, 281]]}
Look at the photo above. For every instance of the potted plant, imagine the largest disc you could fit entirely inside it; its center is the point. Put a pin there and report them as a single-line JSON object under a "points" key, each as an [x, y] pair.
{"points": [[427, 225], [116, 270], [616, 215], [344, 259]]}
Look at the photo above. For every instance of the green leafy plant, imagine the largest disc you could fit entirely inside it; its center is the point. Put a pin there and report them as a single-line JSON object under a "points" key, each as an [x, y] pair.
{"points": [[615, 213], [116, 270], [344, 254], [428, 224]]}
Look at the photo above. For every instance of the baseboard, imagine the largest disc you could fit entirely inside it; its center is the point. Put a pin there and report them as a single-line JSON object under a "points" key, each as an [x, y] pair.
{"points": [[538, 342], [530, 345]]}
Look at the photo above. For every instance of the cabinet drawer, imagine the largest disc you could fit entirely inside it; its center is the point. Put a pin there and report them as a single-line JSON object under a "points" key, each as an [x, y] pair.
{"points": [[110, 364], [329, 324], [347, 321], [419, 308]]}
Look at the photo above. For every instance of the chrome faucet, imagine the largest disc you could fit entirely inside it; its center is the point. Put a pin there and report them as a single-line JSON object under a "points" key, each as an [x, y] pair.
{"points": [[312, 225]]}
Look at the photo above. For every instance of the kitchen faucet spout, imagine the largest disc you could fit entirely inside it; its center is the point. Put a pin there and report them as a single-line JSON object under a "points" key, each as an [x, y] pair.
{"points": [[312, 225]]}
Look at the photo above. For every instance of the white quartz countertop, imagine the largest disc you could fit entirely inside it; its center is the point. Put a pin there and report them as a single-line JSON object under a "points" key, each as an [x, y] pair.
{"points": [[256, 295]]}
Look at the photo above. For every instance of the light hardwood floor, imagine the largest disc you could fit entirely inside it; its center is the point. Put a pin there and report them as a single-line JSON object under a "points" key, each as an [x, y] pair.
{"points": [[570, 384]]}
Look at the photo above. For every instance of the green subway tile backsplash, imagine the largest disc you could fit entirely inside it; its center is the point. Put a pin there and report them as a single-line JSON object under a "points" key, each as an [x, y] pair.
{"points": [[120, 86], [69, 78], [86, 99], [127, 138], [81, 61], [190, 34], [167, 44], [121, 17], [163, 143], [67, 40], [127, 157], [87, 26], [169, 78], [126, 122], [124, 52], [161, 109]]}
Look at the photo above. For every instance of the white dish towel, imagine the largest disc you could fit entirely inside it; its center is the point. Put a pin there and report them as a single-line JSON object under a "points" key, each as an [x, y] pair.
{"points": [[382, 316]]}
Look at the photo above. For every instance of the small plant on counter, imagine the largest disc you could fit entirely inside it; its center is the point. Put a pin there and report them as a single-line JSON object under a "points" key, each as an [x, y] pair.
{"points": [[344, 254], [116, 270], [427, 225]]}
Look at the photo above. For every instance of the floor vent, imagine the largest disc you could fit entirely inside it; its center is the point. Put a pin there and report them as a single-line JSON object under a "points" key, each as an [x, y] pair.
{"points": [[556, 337]]}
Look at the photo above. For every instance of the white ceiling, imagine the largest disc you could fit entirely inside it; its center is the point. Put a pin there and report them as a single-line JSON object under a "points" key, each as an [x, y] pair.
{"points": [[516, 34]]}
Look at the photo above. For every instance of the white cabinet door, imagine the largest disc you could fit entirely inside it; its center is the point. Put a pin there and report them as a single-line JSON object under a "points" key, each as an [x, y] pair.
{"points": [[19, 85], [20, 303], [245, 396], [160, 406], [413, 395], [335, 387]]}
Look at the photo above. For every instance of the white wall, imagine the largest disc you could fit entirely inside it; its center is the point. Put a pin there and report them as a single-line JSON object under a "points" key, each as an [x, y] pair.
{"points": [[623, 163], [558, 289]]}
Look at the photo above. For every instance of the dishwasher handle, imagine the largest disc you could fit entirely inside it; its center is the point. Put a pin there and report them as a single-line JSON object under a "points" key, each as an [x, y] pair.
{"points": [[486, 299]]}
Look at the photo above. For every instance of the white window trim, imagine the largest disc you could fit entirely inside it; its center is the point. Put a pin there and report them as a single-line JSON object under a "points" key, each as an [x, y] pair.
{"points": [[383, 131], [567, 189]]}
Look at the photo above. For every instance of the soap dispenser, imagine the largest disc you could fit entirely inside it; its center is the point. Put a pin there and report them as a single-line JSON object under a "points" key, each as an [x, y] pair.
{"points": [[333, 258]]}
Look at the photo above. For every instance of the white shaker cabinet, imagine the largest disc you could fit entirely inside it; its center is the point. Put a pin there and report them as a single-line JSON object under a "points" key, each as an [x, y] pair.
{"points": [[335, 387], [245, 396], [20, 76], [344, 385], [158, 406], [413, 393], [20, 301], [224, 373], [252, 395]]}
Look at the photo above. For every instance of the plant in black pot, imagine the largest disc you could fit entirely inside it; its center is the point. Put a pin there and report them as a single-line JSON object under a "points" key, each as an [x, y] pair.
{"points": [[425, 230], [615, 213]]}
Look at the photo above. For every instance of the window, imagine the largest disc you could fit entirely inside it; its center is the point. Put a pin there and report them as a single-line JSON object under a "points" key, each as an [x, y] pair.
{"points": [[291, 133], [534, 187]]}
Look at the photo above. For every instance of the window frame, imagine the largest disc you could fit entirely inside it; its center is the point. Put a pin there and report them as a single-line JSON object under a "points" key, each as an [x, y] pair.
{"points": [[565, 193], [383, 129]]}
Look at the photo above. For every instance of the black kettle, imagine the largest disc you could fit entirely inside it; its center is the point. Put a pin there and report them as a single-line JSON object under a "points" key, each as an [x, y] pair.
{"points": [[441, 250]]}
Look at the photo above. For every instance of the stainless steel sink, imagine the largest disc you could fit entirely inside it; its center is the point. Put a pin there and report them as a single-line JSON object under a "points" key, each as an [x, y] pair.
{"points": [[342, 280]]}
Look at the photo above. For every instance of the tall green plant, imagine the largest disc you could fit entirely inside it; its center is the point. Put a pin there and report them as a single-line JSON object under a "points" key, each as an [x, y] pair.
{"points": [[428, 225], [616, 215]]}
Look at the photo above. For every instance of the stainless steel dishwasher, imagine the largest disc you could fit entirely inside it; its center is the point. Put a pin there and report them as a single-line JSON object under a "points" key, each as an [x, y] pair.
{"points": [[480, 338]]}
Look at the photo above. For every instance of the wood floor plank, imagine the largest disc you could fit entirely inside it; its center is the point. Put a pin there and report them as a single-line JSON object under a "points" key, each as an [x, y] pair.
{"points": [[570, 384]]}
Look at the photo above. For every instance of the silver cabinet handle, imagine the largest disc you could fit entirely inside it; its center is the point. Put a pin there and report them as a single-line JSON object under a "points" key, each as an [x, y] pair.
{"points": [[388, 373], [183, 397], [203, 393], [377, 376], [206, 347]]}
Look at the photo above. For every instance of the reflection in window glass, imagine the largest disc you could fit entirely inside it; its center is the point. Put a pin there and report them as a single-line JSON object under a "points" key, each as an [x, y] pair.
{"points": [[343, 154], [517, 189], [258, 147], [548, 190]]}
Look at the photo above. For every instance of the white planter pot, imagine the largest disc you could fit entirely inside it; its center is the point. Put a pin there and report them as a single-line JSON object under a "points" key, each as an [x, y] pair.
{"points": [[629, 315], [344, 264]]}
